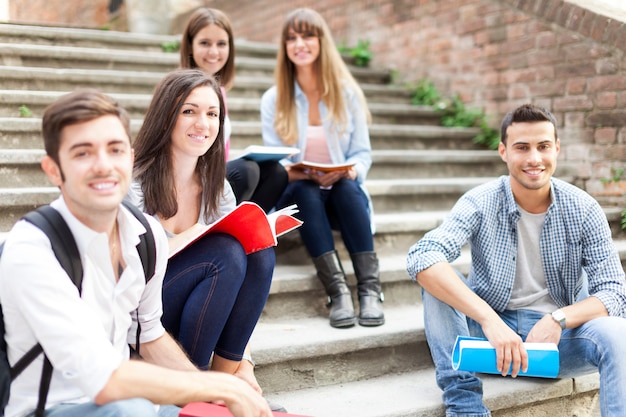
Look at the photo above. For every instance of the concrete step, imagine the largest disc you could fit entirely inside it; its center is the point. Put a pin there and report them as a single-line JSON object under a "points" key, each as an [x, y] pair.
{"points": [[395, 172], [20, 168], [89, 38], [415, 394], [308, 353], [297, 293], [46, 56], [239, 108], [15, 202], [389, 164], [14, 77], [25, 133], [417, 194]]}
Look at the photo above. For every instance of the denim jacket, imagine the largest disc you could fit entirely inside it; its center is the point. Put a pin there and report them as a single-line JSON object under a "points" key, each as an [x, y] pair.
{"points": [[351, 145], [575, 238]]}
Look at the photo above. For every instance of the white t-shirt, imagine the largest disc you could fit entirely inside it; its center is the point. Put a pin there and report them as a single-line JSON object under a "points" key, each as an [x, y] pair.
{"points": [[85, 338]]}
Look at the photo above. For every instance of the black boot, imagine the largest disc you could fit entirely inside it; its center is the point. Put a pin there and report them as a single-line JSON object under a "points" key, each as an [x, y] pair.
{"points": [[370, 295], [330, 272]]}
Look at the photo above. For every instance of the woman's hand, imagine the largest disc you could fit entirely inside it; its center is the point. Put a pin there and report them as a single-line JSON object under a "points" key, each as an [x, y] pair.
{"points": [[246, 373]]}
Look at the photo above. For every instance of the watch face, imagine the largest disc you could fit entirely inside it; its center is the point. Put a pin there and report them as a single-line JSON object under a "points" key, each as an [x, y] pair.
{"points": [[559, 317]]}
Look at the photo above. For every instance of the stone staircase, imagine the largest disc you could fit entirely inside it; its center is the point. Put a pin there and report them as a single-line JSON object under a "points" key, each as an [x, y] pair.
{"points": [[419, 171]]}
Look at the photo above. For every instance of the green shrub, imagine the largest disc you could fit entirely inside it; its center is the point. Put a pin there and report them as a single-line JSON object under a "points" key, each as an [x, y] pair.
{"points": [[172, 46], [454, 113], [361, 53], [25, 111]]}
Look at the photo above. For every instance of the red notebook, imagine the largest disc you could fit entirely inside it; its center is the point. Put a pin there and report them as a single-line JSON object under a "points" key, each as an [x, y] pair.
{"points": [[214, 410], [251, 226]]}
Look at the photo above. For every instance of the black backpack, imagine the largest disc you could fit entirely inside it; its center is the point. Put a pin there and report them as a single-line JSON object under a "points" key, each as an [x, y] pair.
{"points": [[64, 246]]}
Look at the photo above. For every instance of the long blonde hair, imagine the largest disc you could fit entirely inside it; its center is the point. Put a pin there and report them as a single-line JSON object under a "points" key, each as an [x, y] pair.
{"points": [[333, 76]]}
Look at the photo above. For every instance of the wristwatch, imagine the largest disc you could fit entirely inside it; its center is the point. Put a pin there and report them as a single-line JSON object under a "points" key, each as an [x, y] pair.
{"points": [[559, 317]]}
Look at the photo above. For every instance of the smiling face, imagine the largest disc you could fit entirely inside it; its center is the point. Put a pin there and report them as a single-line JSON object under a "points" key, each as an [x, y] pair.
{"points": [[210, 49], [95, 167], [197, 124], [530, 153], [302, 49]]}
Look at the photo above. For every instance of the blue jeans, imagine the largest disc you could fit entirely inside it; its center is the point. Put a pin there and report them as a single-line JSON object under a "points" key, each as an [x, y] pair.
{"points": [[213, 296], [597, 345], [125, 408], [343, 207]]}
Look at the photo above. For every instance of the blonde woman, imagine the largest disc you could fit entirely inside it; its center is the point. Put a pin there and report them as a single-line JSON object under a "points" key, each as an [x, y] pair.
{"points": [[317, 107]]}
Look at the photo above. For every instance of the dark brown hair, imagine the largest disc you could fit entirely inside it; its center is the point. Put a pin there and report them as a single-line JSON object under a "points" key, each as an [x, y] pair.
{"points": [[153, 162], [79, 106], [197, 21], [526, 113]]}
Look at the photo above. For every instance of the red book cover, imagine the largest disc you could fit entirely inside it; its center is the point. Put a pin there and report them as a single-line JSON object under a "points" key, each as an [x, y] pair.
{"points": [[254, 229], [214, 410]]}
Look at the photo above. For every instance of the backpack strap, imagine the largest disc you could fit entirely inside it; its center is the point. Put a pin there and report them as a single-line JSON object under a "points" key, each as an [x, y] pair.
{"points": [[147, 252], [64, 247], [62, 240], [147, 246]]}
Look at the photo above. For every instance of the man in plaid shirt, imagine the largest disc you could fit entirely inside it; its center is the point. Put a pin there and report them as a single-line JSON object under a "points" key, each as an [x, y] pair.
{"points": [[544, 269]]}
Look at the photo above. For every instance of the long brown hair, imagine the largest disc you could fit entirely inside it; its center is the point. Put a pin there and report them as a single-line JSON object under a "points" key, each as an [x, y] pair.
{"points": [[332, 72], [153, 161], [197, 21]]}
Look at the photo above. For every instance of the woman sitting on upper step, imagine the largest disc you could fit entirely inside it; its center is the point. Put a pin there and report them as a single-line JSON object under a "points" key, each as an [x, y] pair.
{"points": [[207, 44], [317, 106]]}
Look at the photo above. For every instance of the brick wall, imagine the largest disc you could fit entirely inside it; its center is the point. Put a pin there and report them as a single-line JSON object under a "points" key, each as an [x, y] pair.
{"points": [[496, 55], [77, 13]]}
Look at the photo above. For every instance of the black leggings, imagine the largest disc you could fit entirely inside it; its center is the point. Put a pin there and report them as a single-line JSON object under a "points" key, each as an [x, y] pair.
{"points": [[262, 183]]}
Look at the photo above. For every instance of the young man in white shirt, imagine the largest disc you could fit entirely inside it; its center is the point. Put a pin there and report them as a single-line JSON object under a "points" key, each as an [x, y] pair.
{"points": [[89, 157]]}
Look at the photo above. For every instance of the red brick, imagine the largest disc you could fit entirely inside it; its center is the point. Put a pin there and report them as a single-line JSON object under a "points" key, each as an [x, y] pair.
{"points": [[573, 103], [607, 83], [605, 135], [607, 100], [576, 86]]}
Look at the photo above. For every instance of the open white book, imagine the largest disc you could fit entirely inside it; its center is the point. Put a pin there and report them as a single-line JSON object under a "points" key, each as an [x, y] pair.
{"points": [[260, 153], [303, 165], [475, 354], [247, 222]]}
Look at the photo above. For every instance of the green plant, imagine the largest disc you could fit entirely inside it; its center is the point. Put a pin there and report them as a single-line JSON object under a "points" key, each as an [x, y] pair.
{"points": [[172, 46], [623, 219], [425, 93], [361, 53], [616, 176], [454, 113], [25, 111]]}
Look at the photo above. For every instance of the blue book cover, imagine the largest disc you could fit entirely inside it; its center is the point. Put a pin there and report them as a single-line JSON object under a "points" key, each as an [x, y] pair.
{"points": [[474, 354]]}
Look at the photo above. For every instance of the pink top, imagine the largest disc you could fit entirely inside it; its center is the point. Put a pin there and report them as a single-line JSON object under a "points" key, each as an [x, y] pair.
{"points": [[316, 145]]}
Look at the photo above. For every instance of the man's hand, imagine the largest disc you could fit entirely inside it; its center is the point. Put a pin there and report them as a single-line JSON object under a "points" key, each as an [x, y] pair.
{"points": [[510, 351], [545, 330], [248, 403]]}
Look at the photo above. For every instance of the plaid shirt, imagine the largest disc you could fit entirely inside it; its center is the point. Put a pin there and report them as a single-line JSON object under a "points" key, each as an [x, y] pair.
{"points": [[575, 237]]}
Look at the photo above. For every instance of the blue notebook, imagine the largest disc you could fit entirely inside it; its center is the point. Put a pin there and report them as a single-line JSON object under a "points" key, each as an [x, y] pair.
{"points": [[474, 354]]}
